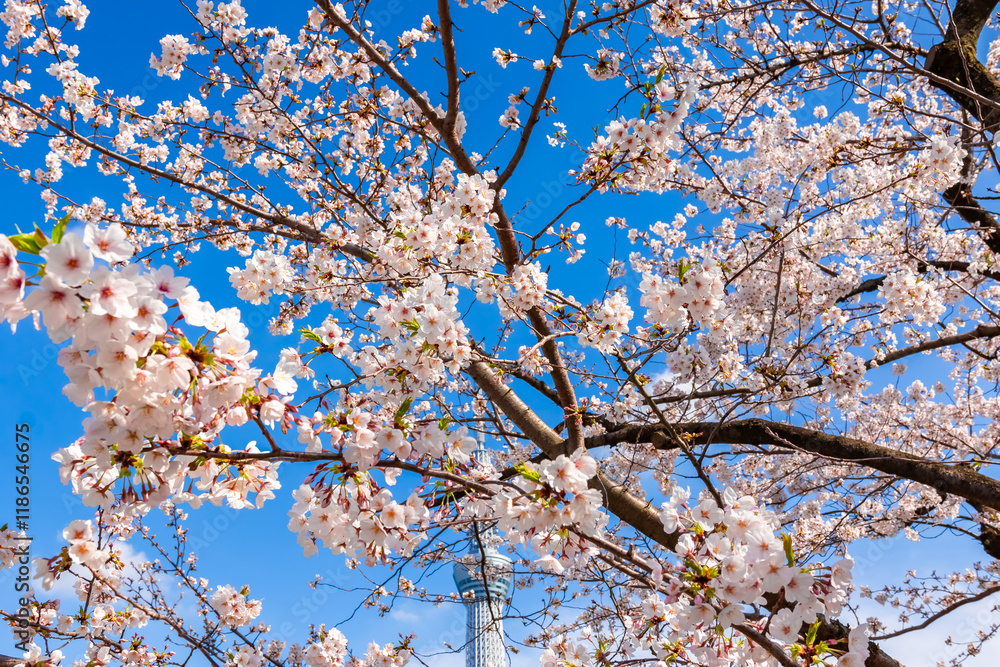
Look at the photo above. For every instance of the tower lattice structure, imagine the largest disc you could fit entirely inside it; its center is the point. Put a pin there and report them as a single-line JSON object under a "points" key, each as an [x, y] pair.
{"points": [[484, 580]]}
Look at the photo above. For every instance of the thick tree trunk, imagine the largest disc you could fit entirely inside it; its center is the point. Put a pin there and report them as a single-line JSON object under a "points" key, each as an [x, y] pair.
{"points": [[955, 59]]}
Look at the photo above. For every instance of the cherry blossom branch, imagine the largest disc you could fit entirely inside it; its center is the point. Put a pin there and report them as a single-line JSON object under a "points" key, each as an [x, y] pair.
{"points": [[310, 233], [941, 614], [508, 243], [583, 27], [455, 148], [959, 196], [284, 455], [767, 644], [534, 383], [940, 81], [872, 284], [451, 69], [671, 433], [619, 501], [981, 331], [955, 60], [543, 89]]}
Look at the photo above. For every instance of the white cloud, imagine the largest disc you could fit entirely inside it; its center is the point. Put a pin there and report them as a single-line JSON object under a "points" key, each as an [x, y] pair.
{"points": [[64, 588], [404, 616], [884, 562], [928, 646]]}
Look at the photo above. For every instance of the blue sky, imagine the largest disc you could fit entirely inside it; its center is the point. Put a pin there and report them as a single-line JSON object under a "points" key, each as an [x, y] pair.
{"points": [[254, 547]]}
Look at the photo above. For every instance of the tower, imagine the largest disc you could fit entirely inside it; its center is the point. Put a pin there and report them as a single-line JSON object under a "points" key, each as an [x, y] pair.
{"points": [[487, 603]]}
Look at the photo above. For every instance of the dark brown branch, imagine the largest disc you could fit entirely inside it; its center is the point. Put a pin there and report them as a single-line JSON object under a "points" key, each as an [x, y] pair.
{"points": [[639, 514], [543, 90], [955, 60], [948, 479], [981, 331], [560, 377], [451, 69], [534, 383], [873, 284], [870, 285], [959, 196]]}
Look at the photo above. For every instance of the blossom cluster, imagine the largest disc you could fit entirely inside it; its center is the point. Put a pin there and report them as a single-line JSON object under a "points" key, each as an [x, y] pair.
{"points": [[235, 610], [265, 273], [82, 545], [909, 295], [637, 152], [10, 541], [453, 233], [11, 277], [735, 558], [329, 649], [166, 392], [699, 294], [427, 336], [357, 516], [174, 51], [609, 324], [555, 515]]}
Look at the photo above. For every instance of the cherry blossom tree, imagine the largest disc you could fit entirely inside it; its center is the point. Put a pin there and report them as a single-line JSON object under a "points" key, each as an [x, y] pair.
{"points": [[689, 445]]}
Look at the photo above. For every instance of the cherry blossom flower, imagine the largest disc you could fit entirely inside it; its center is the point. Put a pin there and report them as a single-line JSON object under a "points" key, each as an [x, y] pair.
{"points": [[110, 243], [68, 260]]}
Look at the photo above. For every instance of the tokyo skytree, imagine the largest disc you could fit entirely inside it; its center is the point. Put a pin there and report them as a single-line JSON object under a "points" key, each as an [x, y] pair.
{"points": [[485, 605]]}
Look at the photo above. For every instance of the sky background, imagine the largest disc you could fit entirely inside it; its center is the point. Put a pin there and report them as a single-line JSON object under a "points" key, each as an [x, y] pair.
{"points": [[255, 547]]}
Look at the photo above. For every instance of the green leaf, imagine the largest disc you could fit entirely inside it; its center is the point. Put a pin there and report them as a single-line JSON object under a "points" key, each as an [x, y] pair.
{"points": [[528, 473], [401, 412], [310, 335], [27, 243], [811, 635], [60, 229], [659, 75], [786, 540]]}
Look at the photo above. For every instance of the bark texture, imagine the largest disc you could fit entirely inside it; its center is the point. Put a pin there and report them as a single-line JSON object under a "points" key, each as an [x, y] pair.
{"points": [[955, 59]]}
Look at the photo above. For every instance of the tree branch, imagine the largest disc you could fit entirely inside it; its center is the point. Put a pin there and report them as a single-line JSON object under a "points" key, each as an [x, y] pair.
{"points": [[948, 479], [626, 507], [954, 61], [451, 69], [959, 196], [543, 90], [944, 612]]}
